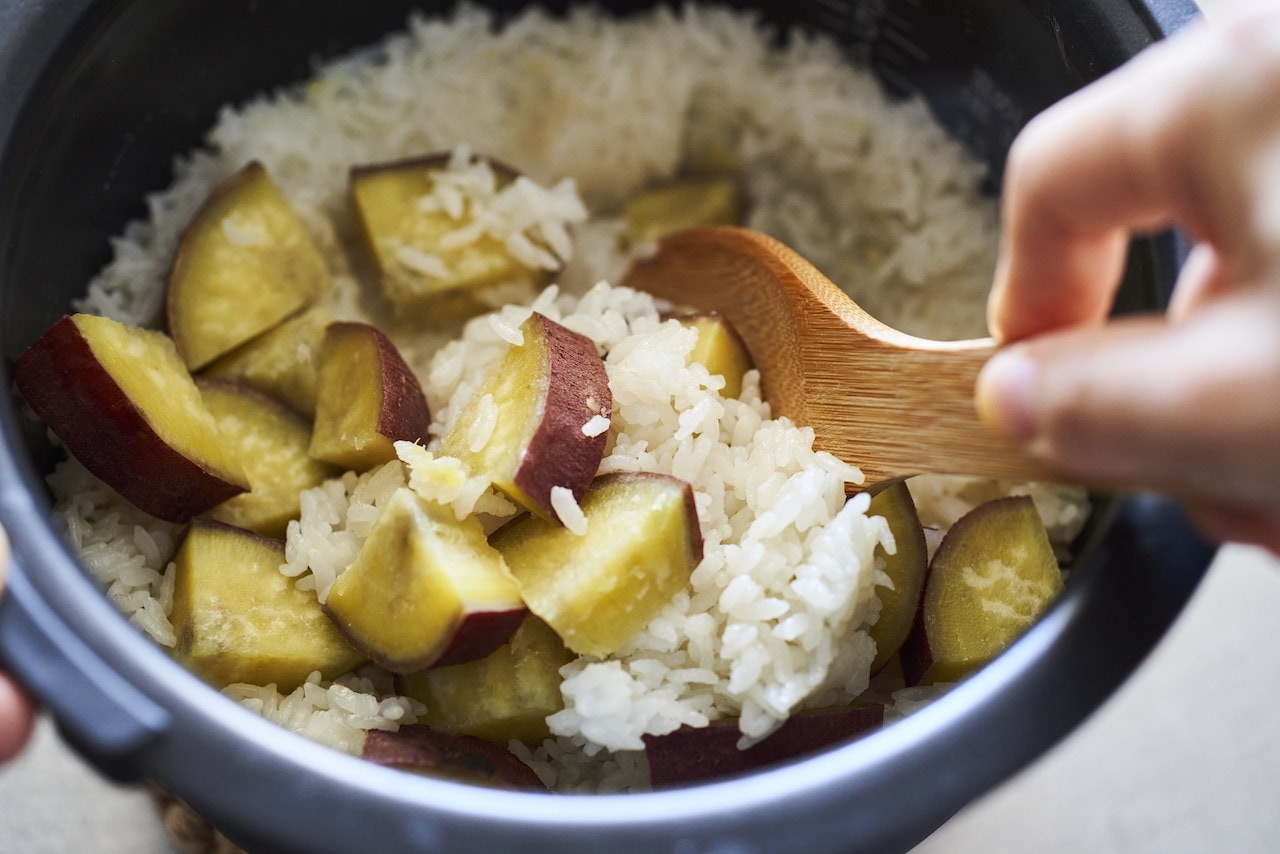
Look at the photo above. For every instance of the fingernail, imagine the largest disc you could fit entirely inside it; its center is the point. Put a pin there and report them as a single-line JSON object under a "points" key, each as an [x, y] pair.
{"points": [[1004, 394]]}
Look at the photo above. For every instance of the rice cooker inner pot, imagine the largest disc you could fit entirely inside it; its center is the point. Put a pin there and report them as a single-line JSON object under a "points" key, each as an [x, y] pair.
{"points": [[99, 97]]}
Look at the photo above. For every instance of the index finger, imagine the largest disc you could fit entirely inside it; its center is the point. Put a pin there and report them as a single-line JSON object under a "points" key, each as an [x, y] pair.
{"points": [[1148, 146]]}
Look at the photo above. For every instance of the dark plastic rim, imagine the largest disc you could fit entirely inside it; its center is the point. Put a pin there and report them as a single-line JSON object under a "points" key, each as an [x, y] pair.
{"points": [[136, 714]]}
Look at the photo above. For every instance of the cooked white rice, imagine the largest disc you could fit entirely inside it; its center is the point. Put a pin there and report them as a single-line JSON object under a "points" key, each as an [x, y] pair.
{"points": [[874, 193], [126, 550], [337, 714]]}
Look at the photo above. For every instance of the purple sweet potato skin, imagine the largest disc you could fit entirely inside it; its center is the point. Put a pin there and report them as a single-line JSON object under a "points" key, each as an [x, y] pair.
{"points": [[916, 655], [410, 418], [691, 755], [560, 454], [459, 757], [81, 402], [480, 634]]}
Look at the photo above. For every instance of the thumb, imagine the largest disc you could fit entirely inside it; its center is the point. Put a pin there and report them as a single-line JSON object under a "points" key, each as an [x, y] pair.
{"points": [[1190, 408]]}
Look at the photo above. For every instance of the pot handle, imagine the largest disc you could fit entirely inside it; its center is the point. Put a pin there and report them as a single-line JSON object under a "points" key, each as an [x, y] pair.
{"points": [[104, 718]]}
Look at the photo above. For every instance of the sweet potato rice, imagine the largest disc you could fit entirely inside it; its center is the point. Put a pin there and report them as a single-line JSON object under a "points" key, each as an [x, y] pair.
{"points": [[594, 109]]}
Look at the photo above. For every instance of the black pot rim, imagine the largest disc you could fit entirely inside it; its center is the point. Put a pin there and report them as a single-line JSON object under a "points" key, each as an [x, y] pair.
{"points": [[137, 714]]}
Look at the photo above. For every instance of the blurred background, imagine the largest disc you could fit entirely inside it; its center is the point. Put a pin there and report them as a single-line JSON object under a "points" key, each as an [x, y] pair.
{"points": [[1185, 757]]}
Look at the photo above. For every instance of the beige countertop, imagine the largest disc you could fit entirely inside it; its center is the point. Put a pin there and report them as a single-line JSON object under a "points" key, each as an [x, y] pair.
{"points": [[1185, 758]]}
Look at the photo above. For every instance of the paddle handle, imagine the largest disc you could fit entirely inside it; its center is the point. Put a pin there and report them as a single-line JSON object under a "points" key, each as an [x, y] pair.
{"points": [[856, 407]]}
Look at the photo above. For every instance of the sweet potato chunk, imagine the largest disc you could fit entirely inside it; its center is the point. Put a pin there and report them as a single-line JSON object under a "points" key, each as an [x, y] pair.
{"points": [[599, 588], [524, 428], [719, 349], [507, 695], [367, 399], [272, 441], [410, 237], [455, 757], [283, 362], [425, 590], [993, 574], [245, 263], [681, 204], [693, 755], [239, 619], [122, 402], [906, 568]]}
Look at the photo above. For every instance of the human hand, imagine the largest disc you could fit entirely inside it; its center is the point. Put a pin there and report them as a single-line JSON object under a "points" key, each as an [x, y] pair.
{"points": [[1186, 134], [17, 715]]}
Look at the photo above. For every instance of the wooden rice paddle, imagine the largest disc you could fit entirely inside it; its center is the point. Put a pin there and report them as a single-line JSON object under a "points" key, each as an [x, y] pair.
{"points": [[890, 403]]}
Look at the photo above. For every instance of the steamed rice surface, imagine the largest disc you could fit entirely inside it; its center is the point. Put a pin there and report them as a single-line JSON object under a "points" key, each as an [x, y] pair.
{"points": [[789, 565], [875, 193]]}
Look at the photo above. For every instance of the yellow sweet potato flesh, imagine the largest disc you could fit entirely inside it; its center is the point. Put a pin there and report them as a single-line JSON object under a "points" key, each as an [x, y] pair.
{"points": [[245, 263], [523, 429], [367, 399], [347, 414], [662, 210], [993, 575], [399, 232], [599, 588], [272, 441], [282, 362], [148, 370], [419, 579], [517, 387], [720, 350], [504, 696], [239, 619]]}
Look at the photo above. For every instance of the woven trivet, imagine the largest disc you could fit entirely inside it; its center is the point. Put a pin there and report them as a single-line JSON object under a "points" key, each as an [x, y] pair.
{"points": [[191, 833]]}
